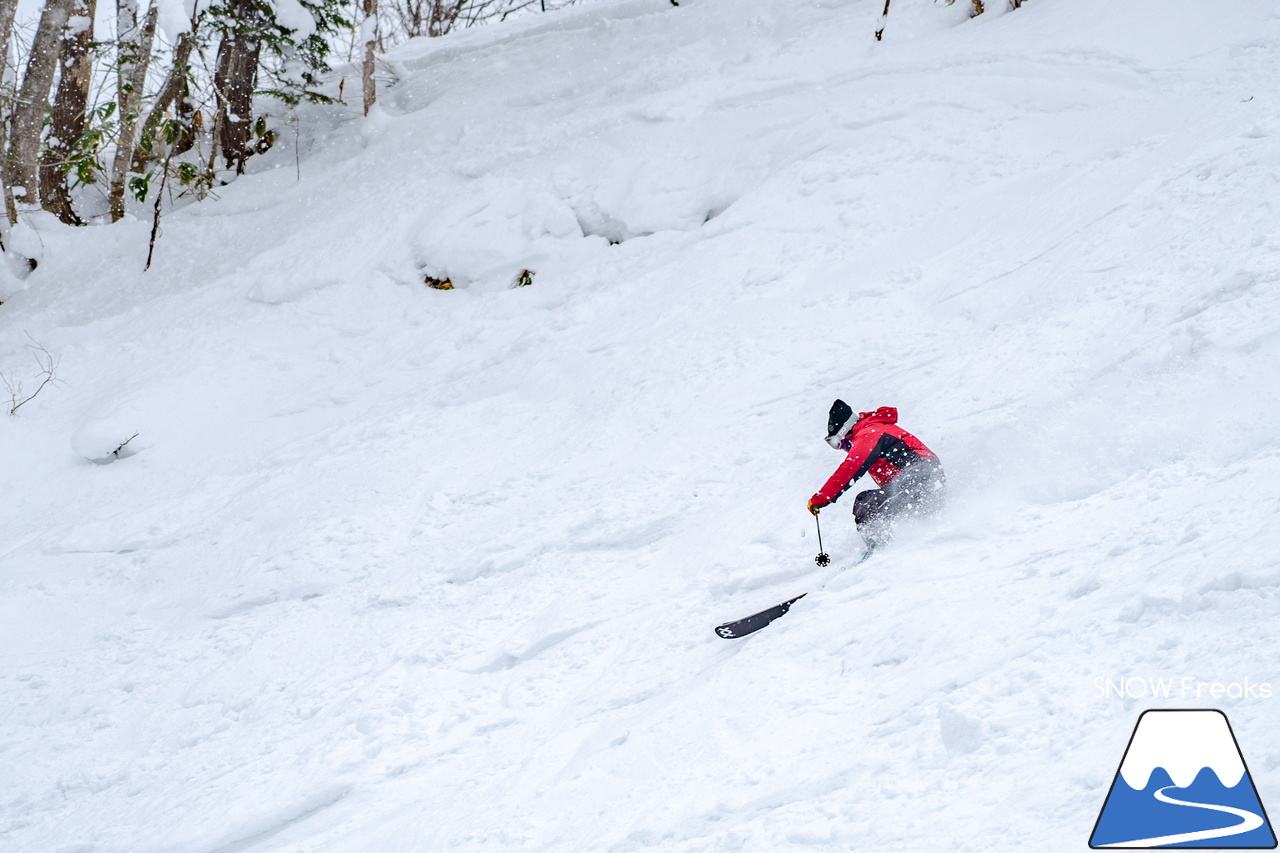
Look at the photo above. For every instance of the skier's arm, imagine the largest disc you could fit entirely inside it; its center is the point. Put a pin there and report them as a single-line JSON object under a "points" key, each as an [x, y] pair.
{"points": [[853, 467]]}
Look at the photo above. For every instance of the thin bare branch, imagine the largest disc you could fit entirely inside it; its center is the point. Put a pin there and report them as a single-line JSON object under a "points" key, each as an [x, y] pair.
{"points": [[48, 369]]}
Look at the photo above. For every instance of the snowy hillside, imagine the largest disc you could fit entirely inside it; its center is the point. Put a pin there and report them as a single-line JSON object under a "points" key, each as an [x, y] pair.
{"points": [[388, 568]]}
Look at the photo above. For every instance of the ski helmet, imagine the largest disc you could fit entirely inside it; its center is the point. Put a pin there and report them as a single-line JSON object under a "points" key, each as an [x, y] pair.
{"points": [[839, 421]]}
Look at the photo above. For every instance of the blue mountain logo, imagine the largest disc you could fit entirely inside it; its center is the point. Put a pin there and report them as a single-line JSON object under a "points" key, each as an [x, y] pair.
{"points": [[1183, 783]]}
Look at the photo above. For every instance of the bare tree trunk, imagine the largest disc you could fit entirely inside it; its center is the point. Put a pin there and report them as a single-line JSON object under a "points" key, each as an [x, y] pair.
{"points": [[173, 89], [443, 15], [234, 80], [371, 43], [69, 106], [8, 8], [131, 77], [27, 122], [212, 164]]}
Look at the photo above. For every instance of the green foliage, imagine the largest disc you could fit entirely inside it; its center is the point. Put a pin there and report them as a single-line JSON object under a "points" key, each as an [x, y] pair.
{"points": [[85, 160], [262, 136], [295, 75], [188, 174], [172, 136], [171, 131], [168, 133], [139, 185], [194, 179]]}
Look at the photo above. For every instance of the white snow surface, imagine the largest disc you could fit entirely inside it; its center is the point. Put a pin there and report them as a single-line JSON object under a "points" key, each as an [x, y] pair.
{"points": [[1183, 742], [388, 568]]}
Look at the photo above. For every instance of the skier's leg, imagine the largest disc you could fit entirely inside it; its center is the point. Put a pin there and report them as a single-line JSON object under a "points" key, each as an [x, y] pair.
{"points": [[868, 512], [918, 491], [934, 492], [923, 490]]}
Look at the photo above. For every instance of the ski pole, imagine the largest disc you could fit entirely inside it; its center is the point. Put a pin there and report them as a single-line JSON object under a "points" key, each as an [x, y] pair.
{"points": [[822, 559]]}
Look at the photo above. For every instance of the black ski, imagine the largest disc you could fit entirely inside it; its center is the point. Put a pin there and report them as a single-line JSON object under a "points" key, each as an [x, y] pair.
{"points": [[756, 621]]}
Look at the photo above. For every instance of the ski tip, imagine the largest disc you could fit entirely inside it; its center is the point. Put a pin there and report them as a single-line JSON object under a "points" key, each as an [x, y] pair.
{"points": [[756, 621]]}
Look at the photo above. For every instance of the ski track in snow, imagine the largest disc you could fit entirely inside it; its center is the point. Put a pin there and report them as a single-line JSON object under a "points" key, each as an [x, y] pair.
{"points": [[392, 569]]}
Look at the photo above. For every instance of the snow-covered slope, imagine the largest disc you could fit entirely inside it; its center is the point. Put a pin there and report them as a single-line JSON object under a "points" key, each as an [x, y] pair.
{"points": [[397, 569]]}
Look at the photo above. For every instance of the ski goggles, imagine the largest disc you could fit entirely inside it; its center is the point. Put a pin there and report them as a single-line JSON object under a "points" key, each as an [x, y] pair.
{"points": [[837, 439]]}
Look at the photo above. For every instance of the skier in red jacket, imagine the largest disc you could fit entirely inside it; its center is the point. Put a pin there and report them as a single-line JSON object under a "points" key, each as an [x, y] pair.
{"points": [[910, 478]]}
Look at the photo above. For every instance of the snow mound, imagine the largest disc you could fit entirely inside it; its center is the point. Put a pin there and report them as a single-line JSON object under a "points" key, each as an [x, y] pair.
{"points": [[105, 440]]}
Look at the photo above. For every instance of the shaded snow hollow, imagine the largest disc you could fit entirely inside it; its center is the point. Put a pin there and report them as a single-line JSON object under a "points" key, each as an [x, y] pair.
{"points": [[395, 569]]}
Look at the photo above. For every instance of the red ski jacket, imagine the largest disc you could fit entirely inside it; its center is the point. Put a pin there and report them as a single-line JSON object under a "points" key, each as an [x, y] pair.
{"points": [[877, 446]]}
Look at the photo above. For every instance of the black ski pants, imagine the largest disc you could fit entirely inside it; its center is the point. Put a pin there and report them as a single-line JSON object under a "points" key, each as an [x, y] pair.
{"points": [[918, 491]]}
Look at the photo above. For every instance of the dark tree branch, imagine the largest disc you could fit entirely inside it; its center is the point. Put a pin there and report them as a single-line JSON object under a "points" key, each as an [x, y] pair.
{"points": [[48, 368]]}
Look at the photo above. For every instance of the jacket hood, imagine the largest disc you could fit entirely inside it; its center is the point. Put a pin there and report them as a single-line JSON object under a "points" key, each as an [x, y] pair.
{"points": [[882, 415]]}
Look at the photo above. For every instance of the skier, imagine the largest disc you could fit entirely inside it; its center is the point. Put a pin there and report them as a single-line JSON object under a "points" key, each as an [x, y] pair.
{"points": [[910, 478]]}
